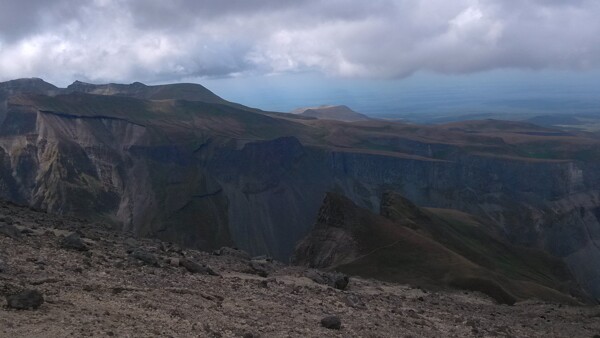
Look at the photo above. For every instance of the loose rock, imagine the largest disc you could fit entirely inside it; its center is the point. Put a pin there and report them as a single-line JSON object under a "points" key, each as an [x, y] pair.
{"points": [[25, 300], [10, 230], [333, 279], [145, 257], [331, 322], [194, 267], [260, 268], [73, 242]]}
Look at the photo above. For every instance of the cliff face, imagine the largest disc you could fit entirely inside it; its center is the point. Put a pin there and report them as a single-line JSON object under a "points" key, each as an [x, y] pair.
{"points": [[212, 174]]}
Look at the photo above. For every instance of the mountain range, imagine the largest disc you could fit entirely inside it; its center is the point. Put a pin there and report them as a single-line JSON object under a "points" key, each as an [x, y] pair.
{"points": [[507, 201]]}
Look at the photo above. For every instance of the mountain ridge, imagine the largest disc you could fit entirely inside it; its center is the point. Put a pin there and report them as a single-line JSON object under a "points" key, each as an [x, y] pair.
{"points": [[154, 171]]}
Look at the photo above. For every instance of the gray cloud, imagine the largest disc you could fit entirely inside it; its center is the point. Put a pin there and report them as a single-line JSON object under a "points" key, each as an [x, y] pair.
{"points": [[152, 40]]}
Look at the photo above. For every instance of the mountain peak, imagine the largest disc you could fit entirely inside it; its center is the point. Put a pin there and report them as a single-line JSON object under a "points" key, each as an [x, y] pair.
{"points": [[32, 84]]}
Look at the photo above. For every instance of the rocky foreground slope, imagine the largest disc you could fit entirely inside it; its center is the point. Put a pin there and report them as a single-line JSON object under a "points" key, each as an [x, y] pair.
{"points": [[98, 282]]}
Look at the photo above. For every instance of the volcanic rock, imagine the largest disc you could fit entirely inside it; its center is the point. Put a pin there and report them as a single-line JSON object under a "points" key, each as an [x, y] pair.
{"points": [[331, 322], [25, 300], [73, 242], [145, 256]]}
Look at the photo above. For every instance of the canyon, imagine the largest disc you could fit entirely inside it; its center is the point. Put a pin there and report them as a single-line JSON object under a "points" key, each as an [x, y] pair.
{"points": [[181, 164]]}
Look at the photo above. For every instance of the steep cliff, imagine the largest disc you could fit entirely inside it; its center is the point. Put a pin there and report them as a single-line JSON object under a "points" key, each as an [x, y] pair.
{"points": [[208, 173]]}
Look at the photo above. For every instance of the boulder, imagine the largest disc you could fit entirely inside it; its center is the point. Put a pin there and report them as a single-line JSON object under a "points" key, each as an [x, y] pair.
{"points": [[73, 242], [10, 230], [334, 279], [261, 268], [194, 267], [145, 256]]}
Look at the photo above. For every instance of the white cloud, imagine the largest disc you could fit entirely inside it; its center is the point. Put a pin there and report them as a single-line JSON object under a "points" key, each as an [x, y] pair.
{"points": [[130, 40]]}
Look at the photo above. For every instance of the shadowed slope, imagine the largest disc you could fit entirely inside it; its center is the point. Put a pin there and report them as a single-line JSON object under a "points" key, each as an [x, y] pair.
{"points": [[412, 249]]}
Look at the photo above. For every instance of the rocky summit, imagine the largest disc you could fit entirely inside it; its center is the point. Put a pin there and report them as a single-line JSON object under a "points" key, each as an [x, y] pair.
{"points": [[125, 286]]}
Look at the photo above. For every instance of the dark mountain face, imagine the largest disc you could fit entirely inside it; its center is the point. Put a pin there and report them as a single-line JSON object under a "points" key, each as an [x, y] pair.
{"points": [[175, 162], [430, 247]]}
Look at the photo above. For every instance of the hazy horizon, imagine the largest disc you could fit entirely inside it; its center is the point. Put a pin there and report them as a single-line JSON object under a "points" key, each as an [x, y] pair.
{"points": [[489, 92]]}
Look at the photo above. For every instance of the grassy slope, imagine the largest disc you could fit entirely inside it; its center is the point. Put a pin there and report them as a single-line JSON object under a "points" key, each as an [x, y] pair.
{"points": [[393, 252]]}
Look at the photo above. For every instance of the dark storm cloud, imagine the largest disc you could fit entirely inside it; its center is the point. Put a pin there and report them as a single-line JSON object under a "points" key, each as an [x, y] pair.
{"points": [[154, 40]]}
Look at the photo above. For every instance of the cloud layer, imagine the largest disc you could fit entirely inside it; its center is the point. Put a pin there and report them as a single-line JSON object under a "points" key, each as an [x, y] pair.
{"points": [[156, 41]]}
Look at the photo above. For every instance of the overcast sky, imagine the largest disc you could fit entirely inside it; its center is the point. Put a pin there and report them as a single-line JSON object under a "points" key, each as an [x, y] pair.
{"points": [[156, 41]]}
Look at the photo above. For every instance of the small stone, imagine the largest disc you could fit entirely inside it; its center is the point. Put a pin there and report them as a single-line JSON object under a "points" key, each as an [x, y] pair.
{"points": [[174, 261], [28, 299], [73, 242], [117, 290], [331, 322]]}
